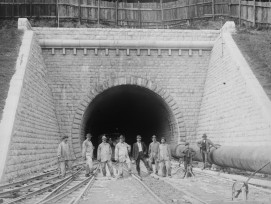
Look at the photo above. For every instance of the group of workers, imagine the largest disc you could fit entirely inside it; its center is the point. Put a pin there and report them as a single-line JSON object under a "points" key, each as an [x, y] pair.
{"points": [[159, 155]]}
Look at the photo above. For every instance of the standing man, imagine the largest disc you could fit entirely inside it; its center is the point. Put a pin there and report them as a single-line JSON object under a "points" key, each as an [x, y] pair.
{"points": [[64, 156], [87, 154], [164, 157], [139, 152], [122, 150], [104, 156], [205, 145], [153, 154], [188, 157]]}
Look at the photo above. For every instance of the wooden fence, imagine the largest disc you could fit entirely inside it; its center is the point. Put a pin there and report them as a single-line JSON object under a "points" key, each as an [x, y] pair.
{"points": [[138, 14]]}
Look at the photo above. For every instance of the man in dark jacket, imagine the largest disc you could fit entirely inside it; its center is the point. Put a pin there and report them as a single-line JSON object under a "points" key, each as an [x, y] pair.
{"points": [[205, 145], [139, 152]]}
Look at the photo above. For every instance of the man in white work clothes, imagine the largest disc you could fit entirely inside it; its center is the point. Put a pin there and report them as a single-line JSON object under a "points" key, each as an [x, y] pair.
{"points": [[122, 150], [153, 154], [87, 154], [104, 155]]}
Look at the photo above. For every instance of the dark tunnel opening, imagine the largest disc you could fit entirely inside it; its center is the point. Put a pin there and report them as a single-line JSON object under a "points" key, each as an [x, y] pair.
{"points": [[129, 110]]}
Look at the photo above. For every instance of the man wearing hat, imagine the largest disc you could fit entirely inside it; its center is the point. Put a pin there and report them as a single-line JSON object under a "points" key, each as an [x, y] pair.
{"points": [[104, 154], [164, 157], [153, 154], [139, 152], [205, 144], [87, 154], [122, 150], [64, 156]]}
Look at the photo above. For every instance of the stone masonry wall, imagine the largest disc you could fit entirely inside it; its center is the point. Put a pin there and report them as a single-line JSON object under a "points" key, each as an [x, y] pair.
{"points": [[235, 109], [36, 133], [73, 76]]}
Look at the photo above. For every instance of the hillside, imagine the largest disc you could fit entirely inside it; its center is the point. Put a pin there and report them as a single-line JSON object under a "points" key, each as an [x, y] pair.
{"points": [[10, 42], [256, 48]]}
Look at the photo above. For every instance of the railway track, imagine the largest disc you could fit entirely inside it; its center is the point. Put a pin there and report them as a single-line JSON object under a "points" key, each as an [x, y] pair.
{"points": [[39, 188], [139, 180], [70, 192]]}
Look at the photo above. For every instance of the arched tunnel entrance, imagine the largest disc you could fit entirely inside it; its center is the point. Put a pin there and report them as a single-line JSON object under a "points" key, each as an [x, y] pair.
{"points": [[127, 109]]}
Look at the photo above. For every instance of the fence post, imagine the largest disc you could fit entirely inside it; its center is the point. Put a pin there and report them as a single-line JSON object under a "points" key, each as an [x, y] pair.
{"points": [[139, 14], [239, 12], [213, 9], [12, 8], [187, 11], [57, 19], [117, 4], [254, 13], [30, 10], [98, 12], [79, 11], [162, 13]]}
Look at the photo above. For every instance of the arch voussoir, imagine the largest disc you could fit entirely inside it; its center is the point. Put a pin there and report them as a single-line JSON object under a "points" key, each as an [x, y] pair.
{"points": [[177, 124]]}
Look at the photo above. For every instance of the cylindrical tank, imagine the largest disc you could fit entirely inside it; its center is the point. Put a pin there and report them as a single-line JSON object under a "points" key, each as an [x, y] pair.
{"points": [[247, 158]]}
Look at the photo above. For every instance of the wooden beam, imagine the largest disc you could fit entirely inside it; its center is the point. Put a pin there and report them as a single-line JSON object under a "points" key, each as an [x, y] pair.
{"points": [[139, 14], [117, 5], [162, 13], [98, 12], [30, 9], [213, 9], [254, 13], [239, 12], [57, 15], [187, 11], [79, 11]]}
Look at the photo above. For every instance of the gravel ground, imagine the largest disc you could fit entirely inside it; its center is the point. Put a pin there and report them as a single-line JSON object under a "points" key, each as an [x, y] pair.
{"points": [[166, 192]]}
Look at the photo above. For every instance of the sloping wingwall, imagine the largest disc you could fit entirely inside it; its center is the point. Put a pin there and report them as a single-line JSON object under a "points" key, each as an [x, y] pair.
{"points": [[30, 128], [235, 109]]}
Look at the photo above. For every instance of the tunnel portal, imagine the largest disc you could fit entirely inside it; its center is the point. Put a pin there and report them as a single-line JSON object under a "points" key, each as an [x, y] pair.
{"points": [[129, 110]]}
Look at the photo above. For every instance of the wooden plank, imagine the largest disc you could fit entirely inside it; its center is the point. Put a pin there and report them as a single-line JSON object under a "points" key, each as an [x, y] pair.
{"points": [[162, 13], [116, 11], [139, 14], [254, 13], [79, 11], [57, 14], [98, 12], [239, 12], [213, 9]]}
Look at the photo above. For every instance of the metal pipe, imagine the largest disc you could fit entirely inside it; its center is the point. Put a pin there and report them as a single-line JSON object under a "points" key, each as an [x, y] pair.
{"points": [[247, 158]]}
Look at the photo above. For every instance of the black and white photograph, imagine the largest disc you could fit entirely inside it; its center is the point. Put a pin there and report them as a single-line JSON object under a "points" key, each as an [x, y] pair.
{"points": [[135, 101]]}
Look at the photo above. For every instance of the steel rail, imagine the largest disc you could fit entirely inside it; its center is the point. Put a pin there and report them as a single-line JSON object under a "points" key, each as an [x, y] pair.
{"points": [[34, 193], [41, 190], [10, 185], [16, 190], [59, 188], [139, 180], [188, 193], [88, 186], [67, 192]]}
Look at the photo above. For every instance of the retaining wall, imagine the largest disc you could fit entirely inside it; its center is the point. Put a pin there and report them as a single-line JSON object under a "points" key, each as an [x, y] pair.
{"points": [[235, 110], [32, 135]]}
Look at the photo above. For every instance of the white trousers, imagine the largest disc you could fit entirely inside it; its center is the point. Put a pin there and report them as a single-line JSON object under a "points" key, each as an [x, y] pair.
{"points": [[89, 164]]}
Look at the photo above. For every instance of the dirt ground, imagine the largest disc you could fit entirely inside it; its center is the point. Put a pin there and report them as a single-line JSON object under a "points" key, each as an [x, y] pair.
{"points": [[256, 48]]}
